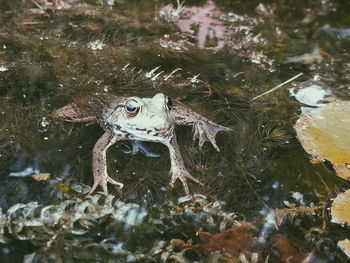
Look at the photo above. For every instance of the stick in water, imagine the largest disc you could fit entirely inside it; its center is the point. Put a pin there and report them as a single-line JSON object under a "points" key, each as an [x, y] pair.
{"points": [[278, 86]]}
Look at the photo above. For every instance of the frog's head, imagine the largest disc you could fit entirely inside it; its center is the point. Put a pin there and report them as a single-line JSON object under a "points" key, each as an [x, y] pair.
{"points": [[146, 119]]}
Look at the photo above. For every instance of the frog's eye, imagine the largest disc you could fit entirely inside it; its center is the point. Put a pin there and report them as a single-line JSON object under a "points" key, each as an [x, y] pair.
{"points": [[169, 102], [132, 107]]}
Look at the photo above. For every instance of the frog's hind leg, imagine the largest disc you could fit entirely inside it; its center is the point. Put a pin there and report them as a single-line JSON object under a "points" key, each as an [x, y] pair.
{"points": [[72, 113]]}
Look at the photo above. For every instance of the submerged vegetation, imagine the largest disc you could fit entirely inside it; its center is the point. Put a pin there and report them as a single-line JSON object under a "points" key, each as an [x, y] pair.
{"points": [[214, 56]]}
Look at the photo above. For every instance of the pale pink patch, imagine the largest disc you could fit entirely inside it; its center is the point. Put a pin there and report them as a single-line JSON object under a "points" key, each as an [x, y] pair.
{"points": [[209, 27]]}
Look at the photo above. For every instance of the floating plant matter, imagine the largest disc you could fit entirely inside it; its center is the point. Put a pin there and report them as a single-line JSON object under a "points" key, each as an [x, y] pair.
{"points": [[340, 210], [58, 52], [324, 133], [344, 245], [312, 93]]}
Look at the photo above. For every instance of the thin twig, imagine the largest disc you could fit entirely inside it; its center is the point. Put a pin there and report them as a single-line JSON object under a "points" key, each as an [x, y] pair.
{"points": [[37, 5], [278, 86]]}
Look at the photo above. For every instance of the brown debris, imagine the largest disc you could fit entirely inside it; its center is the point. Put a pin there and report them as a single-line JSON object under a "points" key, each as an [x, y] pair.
{"points": [[239, 243], [286, 252], [291, 212], [232, 241]]}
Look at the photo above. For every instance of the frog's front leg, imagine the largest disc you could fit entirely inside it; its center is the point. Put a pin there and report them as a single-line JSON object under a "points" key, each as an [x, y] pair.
{"points": [[204, 129], [178, 169], [99, 163]]}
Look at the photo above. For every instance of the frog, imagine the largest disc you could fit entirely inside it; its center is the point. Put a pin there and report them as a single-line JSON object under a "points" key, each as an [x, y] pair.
{"points": [[142, 120]]}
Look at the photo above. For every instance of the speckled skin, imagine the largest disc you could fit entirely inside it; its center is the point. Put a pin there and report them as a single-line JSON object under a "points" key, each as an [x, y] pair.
{"points": [[154, 121]]}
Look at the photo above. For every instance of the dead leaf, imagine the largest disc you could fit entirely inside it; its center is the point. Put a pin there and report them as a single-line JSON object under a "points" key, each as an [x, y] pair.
{"points": [[344, 245], [340, 209], [324, 132]]}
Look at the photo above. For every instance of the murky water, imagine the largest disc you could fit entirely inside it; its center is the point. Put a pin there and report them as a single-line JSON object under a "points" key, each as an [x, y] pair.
{"points": [[214, 56]]}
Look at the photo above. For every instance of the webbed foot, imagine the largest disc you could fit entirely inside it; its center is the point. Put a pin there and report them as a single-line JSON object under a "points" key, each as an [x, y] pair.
{"points": [[205, 130]]}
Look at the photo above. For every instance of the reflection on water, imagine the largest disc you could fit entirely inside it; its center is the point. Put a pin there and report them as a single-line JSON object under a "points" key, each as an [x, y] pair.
{"points": [[214, 56], [208, 27]]}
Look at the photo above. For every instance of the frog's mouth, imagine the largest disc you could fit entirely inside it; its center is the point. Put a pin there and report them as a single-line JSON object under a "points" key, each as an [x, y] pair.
{"points": [[164, 133]]}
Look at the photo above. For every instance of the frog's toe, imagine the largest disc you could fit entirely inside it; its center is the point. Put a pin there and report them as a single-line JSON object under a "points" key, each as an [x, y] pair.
{"points": [[185, 185], [103, 185], [183, 176], [206, 131], [114, 182]]}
